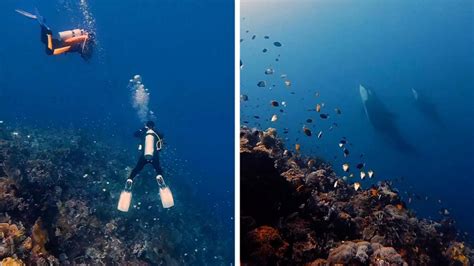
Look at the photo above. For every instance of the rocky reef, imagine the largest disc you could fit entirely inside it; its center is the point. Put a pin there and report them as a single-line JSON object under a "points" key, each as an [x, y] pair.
{"points": [[58, 198], [296, 211]]}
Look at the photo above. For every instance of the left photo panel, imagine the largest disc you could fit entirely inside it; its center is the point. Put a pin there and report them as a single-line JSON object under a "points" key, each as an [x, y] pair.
{"points": [[117, 133]]}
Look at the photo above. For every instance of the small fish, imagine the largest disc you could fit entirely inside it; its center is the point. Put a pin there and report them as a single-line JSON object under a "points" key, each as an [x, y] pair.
{"points": [[362, 175], [307, 131], [320, 134], [344, 178], [335, 184], [241, 64], [324, 116], [277, 44], [266, 37], [311, 163], [274, 103], [318, 108], [342, 143], [345, 167], [264, 50], [287, 83], [256, 117], [317, 94], [370, 173], [253, 37], [283, 76], [269, 71], [244, 97], [262, 84], [360, 166], [351, 175], [274, 118], [444, 212], [309, 120], [283, 103], [356, 186], [346, 152], [297, 147], [337, 110]]}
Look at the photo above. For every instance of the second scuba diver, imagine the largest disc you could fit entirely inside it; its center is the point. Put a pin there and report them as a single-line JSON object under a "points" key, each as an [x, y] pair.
{"points": [[151, 144], [70, 41]]}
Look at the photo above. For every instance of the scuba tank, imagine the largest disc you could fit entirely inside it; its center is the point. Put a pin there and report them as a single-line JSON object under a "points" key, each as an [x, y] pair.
{"points": [[68, 34], [149, 146]]}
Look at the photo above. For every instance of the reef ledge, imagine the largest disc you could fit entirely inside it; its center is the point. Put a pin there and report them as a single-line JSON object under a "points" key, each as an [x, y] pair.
{"points": [[294, 213]]}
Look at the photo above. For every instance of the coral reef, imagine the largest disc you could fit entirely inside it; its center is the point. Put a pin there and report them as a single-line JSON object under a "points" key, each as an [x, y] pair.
{"points": [[58, 196], [294, 214]]}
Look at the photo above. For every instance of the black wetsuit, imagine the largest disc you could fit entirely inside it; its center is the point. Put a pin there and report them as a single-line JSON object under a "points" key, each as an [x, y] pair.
{"points": [[155, 161]]}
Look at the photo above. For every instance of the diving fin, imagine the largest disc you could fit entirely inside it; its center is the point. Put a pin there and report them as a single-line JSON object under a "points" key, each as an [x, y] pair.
{"points": [[36, 16], [125, 197], [166, 197], [165, 193], [26, 14], [40, 19]]}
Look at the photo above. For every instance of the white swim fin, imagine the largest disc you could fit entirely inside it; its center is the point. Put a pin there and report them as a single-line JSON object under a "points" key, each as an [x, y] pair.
{"points": [[36, 17], [166, 197], [125, 197], [165, 193], [124, 201], [26, 14]]}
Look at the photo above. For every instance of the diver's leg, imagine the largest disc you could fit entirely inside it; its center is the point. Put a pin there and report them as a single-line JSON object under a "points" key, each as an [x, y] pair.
{"points": [[165, 193], [126, 194], [47, 39], [159, 172], [140, 164], [156, 164]]}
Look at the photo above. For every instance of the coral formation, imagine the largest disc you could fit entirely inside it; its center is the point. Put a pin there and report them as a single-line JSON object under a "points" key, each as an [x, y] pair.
{"points": [[58, 197], [293, 214]]}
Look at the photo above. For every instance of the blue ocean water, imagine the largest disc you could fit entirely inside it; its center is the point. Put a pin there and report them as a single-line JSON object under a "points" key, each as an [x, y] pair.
{"points": [[184, 52], [329, 48]]}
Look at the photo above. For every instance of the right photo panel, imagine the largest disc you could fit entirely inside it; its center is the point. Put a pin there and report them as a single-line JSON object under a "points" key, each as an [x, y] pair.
{"points": [[356, 133]]}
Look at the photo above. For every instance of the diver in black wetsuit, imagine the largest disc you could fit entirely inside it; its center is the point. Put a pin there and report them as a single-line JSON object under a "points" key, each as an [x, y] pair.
{"points": [[151, 157], [151, 144]]}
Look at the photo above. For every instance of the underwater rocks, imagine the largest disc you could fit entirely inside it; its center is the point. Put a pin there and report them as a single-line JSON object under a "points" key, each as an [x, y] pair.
{"points": [[296, 211], [58, 197]]}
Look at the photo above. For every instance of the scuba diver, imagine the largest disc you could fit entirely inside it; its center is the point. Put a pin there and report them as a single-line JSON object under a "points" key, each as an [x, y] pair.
{"points": [[151, 144], [70, 41]]}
